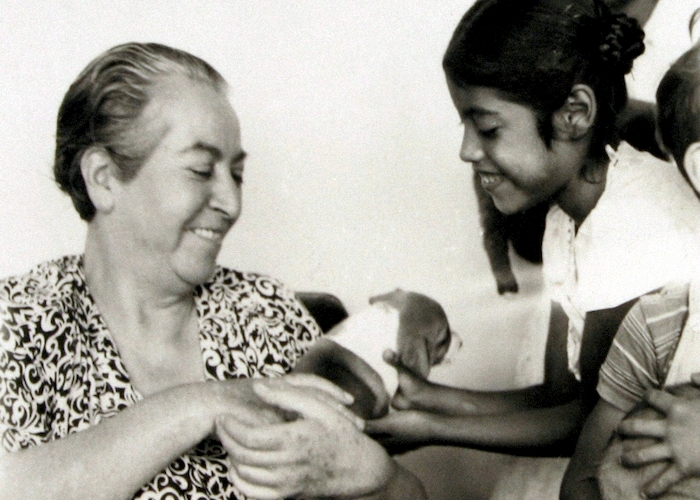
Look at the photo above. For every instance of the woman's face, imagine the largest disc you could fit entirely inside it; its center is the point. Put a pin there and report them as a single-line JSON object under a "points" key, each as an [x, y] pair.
{"points": [[187, 194], [502, 143]]}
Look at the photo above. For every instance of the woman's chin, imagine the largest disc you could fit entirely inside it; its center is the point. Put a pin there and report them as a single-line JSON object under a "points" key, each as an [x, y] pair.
{"points": [[195, 275]]}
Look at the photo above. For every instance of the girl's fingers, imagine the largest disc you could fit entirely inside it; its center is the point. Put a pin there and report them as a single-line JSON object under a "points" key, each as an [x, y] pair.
{"points": [[658, 486], [309, 406], [392, 358], [638, 427], [648, 454]]}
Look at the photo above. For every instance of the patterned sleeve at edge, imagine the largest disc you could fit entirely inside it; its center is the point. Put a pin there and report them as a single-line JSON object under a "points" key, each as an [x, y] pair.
{"points": [[22, 389]]}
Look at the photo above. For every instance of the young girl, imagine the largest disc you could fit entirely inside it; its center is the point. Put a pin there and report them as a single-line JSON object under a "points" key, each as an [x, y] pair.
{"points": [[538, 85]]}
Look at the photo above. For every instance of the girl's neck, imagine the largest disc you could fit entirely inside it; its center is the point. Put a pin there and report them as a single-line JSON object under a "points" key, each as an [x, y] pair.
{"points": [[581, 195]]}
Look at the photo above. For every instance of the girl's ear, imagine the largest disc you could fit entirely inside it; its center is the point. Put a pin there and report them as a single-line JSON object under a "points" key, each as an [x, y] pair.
{"points": [[577, 116], [98, 171], [691, 165]]}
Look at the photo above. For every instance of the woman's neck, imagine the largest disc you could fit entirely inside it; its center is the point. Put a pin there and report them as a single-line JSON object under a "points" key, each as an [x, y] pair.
{"points": [[155, 329], [129, 298]]}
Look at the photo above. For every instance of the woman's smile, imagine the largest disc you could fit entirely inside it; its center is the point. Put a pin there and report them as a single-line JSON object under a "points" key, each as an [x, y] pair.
{"points": [[208, 234]]}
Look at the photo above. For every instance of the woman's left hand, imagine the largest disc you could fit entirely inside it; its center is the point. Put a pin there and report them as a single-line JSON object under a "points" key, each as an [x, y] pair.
{"points": [[321, 453], [678, 438]]}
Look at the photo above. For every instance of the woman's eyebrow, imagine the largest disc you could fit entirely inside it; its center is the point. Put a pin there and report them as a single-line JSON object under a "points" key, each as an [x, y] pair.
{"points": [[214, 152], [204, 147]]}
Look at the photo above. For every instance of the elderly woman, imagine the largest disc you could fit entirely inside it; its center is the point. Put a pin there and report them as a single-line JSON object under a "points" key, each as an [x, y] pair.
{"points": [[123, 370]]}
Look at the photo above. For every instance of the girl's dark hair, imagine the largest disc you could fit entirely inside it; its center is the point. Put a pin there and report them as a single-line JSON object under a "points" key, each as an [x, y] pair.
{"points": [[535, 51], [103, 104], [678, 109]]}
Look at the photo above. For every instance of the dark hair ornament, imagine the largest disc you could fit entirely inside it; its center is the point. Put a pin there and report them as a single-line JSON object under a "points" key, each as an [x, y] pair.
{"points": [[622, 41]]}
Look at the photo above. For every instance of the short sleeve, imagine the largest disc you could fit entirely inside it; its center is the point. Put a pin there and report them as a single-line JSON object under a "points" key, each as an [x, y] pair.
{"points": [[24, 392], [644, 343]]}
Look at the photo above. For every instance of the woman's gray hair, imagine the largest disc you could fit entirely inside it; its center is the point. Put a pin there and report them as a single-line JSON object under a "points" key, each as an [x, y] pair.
{"points": [[103, 104]]}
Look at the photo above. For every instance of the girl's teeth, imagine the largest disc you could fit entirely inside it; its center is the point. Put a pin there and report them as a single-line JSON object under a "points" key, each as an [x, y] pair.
{"points": [[487, 179]]}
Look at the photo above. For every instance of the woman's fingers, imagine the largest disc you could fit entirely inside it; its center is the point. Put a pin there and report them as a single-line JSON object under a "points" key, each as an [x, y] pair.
{"points": [[309, 405], [254, 438], [660, 485], [637, 457], [320, 383], [638, 427], [252, 490]]}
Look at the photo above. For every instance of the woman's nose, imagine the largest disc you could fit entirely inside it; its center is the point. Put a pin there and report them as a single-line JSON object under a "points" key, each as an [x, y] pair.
{"points": [[226, 195], [471, 150]]}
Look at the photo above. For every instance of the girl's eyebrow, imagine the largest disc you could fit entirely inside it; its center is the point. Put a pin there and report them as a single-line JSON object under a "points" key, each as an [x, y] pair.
{"points": [[478, 112]]}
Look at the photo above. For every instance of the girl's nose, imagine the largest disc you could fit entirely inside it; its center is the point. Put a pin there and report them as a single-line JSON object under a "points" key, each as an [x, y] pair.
{"points": [[471, 150]]}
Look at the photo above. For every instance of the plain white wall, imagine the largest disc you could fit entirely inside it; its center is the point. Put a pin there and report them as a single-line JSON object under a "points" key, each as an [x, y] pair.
{"points": [[353, 183]]}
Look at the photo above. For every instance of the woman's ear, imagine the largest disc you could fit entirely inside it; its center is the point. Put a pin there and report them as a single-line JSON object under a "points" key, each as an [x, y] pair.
{"points": [[575, 119], [98, 171], [691, 165]]}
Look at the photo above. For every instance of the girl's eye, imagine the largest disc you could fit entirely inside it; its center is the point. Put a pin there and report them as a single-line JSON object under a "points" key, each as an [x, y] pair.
{"points": [[489, 133], [237, 177]]}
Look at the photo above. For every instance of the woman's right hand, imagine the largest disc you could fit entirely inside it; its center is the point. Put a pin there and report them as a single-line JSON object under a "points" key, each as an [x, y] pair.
{"points": [[239, 397], [314, 455]]}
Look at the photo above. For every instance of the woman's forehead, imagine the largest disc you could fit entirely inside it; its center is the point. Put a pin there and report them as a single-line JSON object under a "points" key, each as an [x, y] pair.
{"points": [[188, 106]]}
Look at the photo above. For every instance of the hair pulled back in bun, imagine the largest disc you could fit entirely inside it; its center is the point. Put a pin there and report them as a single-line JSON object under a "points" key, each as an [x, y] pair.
{"points": [[535, 51]]}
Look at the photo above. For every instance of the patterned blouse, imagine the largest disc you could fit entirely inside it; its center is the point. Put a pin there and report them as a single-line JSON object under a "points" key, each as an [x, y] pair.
{"points": [[60, 371]]}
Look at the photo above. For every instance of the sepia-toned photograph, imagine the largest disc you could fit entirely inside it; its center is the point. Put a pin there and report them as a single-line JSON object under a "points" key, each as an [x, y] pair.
{"points": [[352, 249]]}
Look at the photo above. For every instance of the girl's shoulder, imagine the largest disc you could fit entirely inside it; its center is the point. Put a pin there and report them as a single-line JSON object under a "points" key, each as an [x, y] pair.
{"points": [[647, 189]]}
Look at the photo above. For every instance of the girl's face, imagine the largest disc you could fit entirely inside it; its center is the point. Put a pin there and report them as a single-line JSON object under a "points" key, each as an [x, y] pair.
{"points": [[502, 143]]}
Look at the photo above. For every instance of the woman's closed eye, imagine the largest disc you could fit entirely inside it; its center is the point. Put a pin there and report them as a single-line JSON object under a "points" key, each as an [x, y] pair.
{"points": [[202, 171]]}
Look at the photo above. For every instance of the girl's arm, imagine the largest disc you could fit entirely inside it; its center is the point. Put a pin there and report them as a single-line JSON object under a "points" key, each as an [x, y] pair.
{"points": [[580, 478], [115, 458], [542, 420], [543, 432]]}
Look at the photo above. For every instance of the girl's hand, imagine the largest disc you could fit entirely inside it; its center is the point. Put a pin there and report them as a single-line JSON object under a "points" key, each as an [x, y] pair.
{"points": [[412, 387], [401, 431], [321, 453], [678, 438]]}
